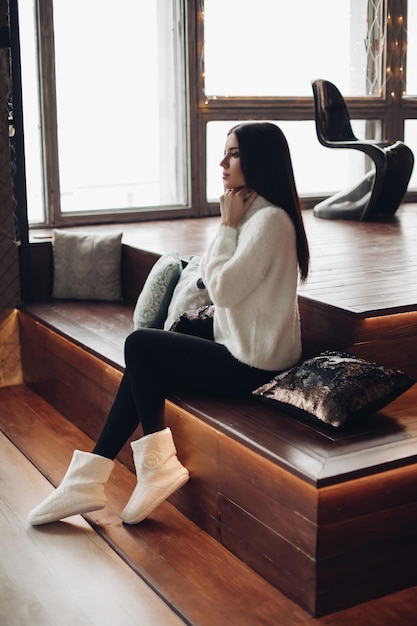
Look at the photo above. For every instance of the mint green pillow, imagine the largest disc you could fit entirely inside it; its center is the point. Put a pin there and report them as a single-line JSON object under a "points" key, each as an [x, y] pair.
{"points": [[152, 304]]}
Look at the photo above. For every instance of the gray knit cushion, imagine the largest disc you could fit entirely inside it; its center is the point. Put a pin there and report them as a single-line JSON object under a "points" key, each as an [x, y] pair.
{"points": [[87, 266]]}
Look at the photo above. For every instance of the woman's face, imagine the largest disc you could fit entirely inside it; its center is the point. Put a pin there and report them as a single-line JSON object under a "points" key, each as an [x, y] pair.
{"points": [[232, 171]]}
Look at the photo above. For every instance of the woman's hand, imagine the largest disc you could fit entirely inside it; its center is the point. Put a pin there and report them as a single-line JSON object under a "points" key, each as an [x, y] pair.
{"points": [[233, 205]]}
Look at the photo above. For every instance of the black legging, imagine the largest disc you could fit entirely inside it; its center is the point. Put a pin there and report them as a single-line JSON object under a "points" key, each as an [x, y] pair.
{"points": [[159, 362]]}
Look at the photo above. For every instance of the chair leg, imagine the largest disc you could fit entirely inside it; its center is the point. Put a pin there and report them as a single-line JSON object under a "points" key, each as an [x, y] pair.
{"points": [[376, 195], [351, 203], [400, 163]]}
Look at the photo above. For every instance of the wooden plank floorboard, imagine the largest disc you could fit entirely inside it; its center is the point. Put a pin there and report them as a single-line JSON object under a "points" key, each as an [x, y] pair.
{"points": [[350, 256], [84, 324], [65, 574]]}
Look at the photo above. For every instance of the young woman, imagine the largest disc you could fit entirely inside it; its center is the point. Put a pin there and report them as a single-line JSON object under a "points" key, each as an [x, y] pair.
{"points": [[251, 270]]}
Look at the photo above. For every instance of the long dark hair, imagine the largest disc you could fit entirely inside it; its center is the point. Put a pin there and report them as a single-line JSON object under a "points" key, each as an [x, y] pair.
{"points": [[266, 165]]}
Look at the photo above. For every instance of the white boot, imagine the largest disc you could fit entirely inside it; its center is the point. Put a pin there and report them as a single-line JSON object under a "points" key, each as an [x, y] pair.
{"points": [[81, 489], [159, 474]]}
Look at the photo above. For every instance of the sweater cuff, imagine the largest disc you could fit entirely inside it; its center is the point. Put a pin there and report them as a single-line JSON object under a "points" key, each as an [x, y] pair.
{"points": [[226, 239], [228, 233]]}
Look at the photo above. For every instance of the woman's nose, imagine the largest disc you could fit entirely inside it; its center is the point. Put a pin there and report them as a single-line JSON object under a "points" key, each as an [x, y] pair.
{"points": [[224, 162]]}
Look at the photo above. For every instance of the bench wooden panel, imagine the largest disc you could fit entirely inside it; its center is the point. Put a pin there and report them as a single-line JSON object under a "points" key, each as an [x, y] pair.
{"points": [[286, 530], [281, 494], [387, 339]]}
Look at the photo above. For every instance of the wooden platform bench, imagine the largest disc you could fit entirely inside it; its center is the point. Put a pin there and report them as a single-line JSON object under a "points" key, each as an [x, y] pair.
{"points": [[328, 517]]}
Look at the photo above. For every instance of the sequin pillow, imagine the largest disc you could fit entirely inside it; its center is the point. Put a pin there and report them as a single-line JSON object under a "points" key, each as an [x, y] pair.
{"points": [[335, 388], [87, 266], [152, 304]]}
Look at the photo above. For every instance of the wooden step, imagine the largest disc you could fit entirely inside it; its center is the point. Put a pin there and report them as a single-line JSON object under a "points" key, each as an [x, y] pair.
{"points": [[299, 504], [197, 577]]}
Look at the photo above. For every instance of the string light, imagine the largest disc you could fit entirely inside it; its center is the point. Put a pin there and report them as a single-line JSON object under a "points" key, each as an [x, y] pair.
{"points": [[395, 58]]}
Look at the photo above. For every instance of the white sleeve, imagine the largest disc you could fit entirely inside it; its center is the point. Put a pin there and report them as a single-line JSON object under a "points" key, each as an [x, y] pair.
{"points": [[233, 265]]}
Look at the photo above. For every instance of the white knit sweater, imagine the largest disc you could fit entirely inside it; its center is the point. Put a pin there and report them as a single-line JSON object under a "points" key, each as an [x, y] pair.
{"points": [[252, 274]]}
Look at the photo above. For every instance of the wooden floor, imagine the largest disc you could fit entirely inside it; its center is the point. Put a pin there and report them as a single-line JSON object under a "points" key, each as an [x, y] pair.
{"points": [[64, 573], [364, 267]]}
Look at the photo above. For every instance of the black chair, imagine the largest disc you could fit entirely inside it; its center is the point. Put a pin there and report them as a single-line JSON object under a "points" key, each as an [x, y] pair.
{"points": [[381, 190]]}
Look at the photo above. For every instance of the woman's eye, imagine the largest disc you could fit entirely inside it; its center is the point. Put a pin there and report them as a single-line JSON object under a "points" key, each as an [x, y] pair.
{"points": [[235, 155]]}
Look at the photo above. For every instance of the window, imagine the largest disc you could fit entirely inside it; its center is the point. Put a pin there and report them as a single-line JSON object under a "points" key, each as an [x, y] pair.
{"points": [[134, 117], [119, 122], [357, 44], [118, 97], [409, 88]]}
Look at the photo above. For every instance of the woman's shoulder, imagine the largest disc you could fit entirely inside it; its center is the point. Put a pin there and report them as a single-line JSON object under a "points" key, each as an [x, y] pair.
{"points": [[264, 211]]}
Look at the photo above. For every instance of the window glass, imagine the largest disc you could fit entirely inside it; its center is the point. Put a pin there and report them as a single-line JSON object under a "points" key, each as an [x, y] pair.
{"points": [[317, 170], [31, 114], [120, 124], [249, 47], [121, 119], [410, 139]]}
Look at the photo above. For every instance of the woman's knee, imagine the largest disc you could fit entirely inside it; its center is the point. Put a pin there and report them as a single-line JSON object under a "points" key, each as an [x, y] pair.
{"points": [[137, 342], [144, 341]]}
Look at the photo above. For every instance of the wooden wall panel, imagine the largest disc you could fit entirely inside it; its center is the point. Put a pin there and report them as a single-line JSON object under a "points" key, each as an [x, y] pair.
{"points": [[372, 573], [41, 270], [363, 496], [268, 553], [198, 448], [10, 362], [136, 265], [270, 494]]}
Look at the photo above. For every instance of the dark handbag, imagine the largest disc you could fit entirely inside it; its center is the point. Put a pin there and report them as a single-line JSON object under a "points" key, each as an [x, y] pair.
{"points": [[198, 323]]}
